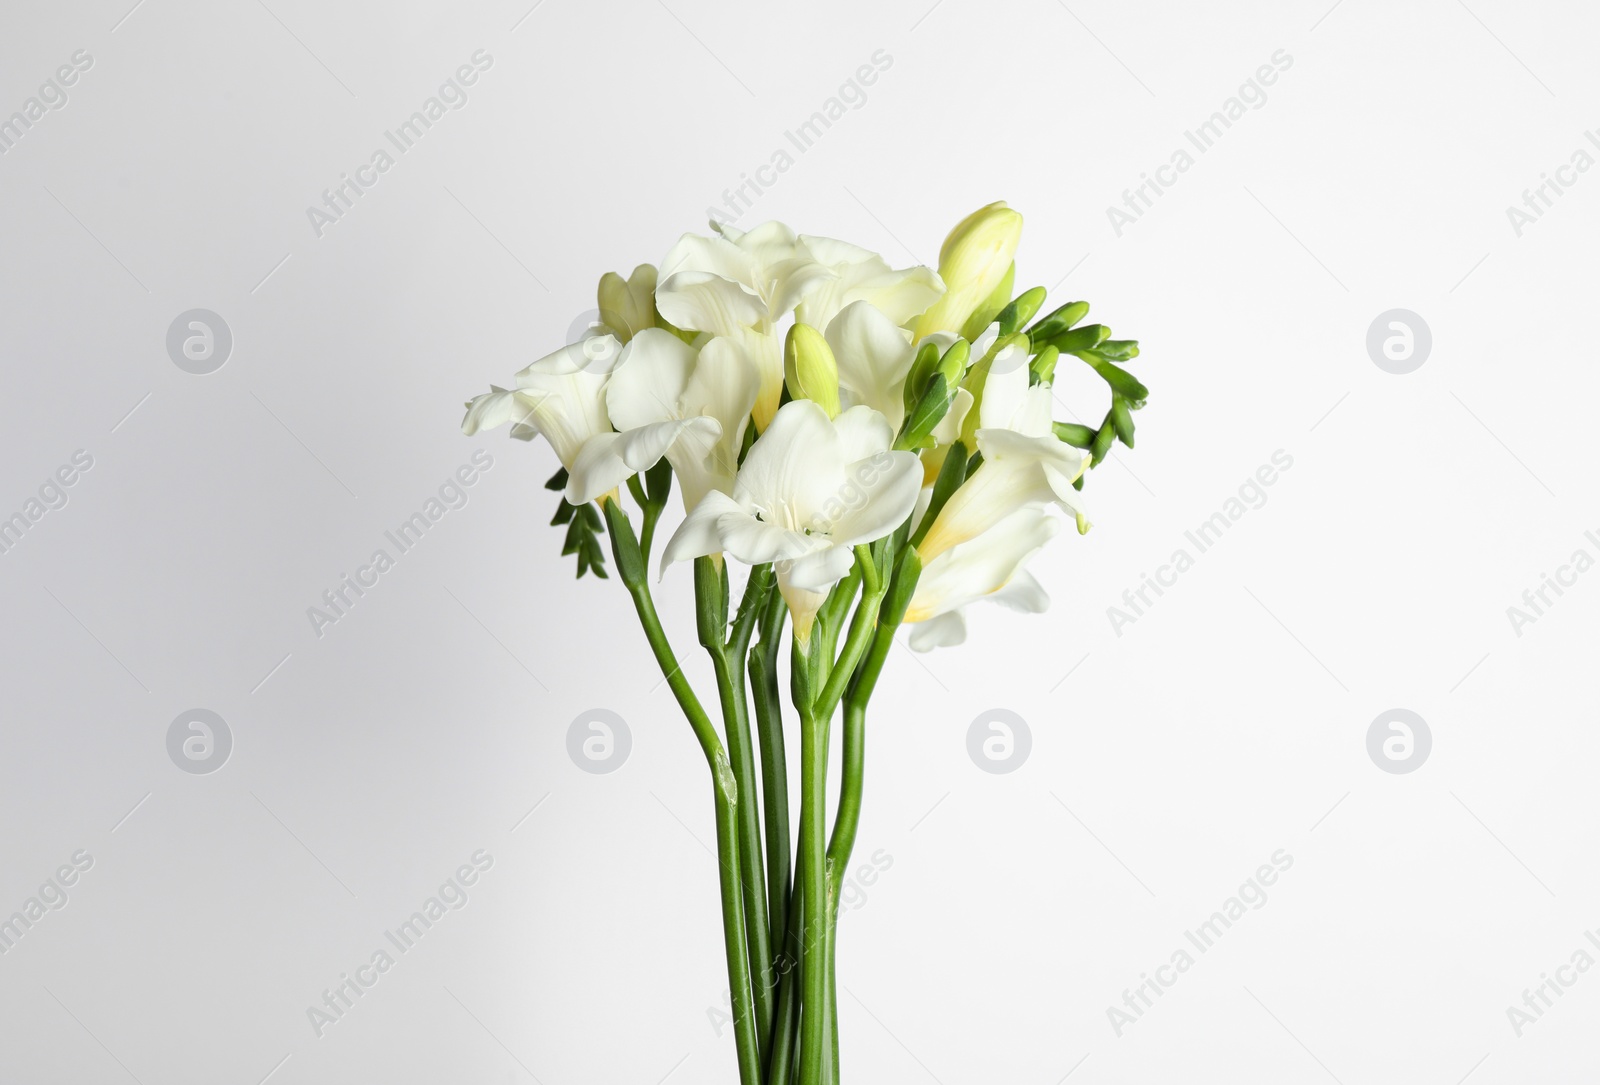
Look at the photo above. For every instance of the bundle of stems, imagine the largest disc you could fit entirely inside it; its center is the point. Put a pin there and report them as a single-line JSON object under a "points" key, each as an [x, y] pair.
{"points": [[780, 906]]}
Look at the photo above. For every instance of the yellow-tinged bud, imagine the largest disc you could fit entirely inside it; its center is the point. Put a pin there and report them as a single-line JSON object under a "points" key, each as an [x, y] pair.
{"points": [[809, 368], [628, 306], [973, 262]]}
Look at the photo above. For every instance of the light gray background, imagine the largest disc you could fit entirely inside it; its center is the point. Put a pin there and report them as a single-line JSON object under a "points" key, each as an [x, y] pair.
{"points": [[1168, 763]]}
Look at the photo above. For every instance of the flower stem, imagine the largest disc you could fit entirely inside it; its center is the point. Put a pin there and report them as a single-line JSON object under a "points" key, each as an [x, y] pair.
{"points": [[813, 873], [711, 597], [890, 603], [725, 791], [775, 806]]}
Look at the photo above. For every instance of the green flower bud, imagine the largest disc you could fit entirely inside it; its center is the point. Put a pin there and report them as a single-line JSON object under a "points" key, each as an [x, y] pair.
{"points": [[973, 261], [923, 367], [1021, 310], [1043, 366], [1059, 321], [1119, 350], [809, 368], [1085, 338], [1122, 420], [954, 363], [1073, 434], [1102, 442]]}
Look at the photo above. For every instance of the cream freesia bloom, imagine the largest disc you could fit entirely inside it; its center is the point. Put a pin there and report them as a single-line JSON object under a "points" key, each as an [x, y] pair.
{"points": [[988, 566], [667, 399], [862, 275], [1024, 464], [739, 286], [558, 397], [810, 489]]}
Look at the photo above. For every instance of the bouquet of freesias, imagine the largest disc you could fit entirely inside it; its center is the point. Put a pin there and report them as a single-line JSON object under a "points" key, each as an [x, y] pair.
{"points": [[879, 448]]}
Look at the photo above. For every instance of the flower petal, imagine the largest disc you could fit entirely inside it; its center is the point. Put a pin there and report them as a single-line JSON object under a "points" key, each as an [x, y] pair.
{"points": [[698, 536], [794, 468], [945, 631], [703, 301], [874, 355], [649, 379], [883, 492], [820, 570]]}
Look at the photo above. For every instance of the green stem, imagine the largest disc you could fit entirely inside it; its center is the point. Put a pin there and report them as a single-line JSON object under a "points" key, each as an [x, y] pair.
{"points": [[784, 1048], [774, 769], [711, 598], [725, 792], [895, 597], [814, 1055]]}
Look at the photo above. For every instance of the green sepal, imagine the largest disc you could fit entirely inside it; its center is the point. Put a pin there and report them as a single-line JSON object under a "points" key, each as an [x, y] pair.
{"points": [[952, 473], [624, 544], [922, 369]]}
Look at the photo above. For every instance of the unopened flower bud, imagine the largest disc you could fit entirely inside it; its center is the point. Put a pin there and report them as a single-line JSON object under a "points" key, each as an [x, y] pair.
{"points": [[974, 260], [809, 368]]}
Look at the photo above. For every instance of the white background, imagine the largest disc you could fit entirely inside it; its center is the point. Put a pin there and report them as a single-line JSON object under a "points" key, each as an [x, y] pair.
{"points": [[1229, 721]]}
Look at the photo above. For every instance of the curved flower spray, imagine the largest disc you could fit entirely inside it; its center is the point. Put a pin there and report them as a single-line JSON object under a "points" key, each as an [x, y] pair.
{"points": [[878, 447]]}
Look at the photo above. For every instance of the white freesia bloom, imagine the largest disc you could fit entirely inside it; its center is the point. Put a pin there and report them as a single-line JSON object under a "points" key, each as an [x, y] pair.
{"points": [[988, 566], [810, 489], [739, 285], [559, 397], [1024, 464], [667, 399], [874, 355], [863, 275]]}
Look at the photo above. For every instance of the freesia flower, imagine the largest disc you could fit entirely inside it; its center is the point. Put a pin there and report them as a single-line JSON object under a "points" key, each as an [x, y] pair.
{"points": [[559, 397], [988, 566], [739, 285], [668, 399], [863, 275], [810, 489], [628, 306], [1024, 464]]}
